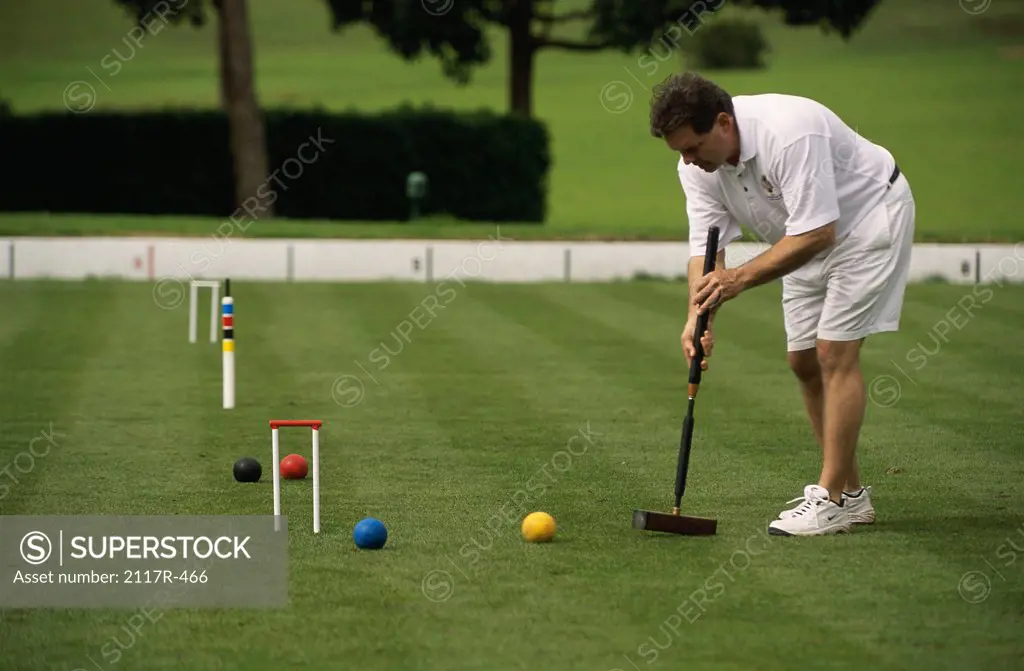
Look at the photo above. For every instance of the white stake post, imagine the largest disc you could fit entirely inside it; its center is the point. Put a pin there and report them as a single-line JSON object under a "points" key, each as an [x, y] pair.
{"points": [[193, 300], [316, 480], [193, 307], [276, 447], [214, 300]]}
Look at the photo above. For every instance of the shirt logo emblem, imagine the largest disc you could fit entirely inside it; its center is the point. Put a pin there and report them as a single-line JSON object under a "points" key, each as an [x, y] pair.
{"points": [[769, 190]]}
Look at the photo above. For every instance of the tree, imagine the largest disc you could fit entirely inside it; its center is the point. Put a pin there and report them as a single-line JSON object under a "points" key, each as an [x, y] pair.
{"points": [[237, 89], [454, 31], [635, 24]]}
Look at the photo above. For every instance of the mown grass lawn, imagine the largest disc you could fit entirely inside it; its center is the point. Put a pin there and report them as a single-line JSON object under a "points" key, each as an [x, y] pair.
{"points": [[454, 431]]}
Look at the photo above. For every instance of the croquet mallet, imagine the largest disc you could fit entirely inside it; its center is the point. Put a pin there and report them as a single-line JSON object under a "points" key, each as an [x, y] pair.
{"points": [[673, 522]]}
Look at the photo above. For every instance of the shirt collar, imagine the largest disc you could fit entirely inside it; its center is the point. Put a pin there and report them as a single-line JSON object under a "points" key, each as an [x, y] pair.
{"points": [[748, 144]]}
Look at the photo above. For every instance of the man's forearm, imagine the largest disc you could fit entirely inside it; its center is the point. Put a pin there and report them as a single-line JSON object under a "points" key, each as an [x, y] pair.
{"points": [[785, 256], [694, 273]]}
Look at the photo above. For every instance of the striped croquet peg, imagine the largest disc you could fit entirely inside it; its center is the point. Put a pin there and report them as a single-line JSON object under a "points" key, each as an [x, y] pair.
{"points": [[228, 345]]}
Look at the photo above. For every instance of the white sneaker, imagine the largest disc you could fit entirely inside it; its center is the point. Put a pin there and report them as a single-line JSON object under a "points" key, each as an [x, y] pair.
{"points": [[858, 506], [816, 516]]}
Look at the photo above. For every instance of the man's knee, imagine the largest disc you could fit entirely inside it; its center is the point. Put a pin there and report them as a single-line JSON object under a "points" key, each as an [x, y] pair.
{"points": [[837, 357], [804, 365]]}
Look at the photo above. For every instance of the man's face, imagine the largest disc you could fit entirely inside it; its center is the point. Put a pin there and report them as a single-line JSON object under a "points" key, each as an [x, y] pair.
{"points": [[707, 151]]}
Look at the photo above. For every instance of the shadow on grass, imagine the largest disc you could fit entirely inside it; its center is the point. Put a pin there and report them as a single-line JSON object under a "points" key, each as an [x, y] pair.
{"points": [[943, 524]]}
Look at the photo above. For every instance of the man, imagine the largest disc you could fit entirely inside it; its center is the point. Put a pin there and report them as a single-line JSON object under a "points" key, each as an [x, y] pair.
{"points": [[839, 218]]}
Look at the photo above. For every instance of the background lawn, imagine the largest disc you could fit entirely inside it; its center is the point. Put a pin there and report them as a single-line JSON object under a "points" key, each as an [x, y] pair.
{"points": [[468, 413], [941, 88]]}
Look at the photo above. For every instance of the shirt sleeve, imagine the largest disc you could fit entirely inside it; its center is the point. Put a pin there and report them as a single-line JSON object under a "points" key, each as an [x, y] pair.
{"points": [[704, 210], [805, 173]]}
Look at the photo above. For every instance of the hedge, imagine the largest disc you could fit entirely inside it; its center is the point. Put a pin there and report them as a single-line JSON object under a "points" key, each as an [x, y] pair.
{"points": [[480, 165]]}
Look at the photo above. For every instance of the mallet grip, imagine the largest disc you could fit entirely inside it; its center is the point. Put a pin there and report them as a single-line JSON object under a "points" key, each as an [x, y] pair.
{"points": [[710, 256]]}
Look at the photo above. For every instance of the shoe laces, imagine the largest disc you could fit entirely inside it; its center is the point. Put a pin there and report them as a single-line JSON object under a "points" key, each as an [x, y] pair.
{"points": [[804, 507], [811, 499]]}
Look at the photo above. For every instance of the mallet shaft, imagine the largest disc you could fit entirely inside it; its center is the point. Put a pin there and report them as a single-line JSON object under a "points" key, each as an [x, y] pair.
{"points": [[685, 441]]}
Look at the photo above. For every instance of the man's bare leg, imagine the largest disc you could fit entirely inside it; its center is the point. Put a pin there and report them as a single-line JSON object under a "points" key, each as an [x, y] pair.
{"points": [[843, 412], [805, 366]]}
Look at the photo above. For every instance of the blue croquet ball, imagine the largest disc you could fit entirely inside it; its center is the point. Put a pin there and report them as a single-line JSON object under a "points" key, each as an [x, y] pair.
{"points": [[370, 534]]}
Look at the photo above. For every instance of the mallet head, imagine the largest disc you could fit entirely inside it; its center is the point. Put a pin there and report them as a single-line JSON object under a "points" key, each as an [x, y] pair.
{"points": [[674, 523]]}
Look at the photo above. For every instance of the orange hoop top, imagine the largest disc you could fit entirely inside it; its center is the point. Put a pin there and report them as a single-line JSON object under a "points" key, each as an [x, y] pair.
{"points": [[314, 423]]}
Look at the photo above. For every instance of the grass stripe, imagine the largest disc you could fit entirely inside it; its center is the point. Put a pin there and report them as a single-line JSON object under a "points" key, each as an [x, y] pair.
{"points": [[642, 618], [475, 402], [42, 392]]}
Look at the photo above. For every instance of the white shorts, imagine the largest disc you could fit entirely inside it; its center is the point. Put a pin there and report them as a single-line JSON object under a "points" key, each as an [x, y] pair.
{"points": [[857, 289]]}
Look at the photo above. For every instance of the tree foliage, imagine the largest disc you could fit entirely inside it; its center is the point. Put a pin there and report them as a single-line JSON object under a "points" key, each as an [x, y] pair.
{"points": [[455, 31], [175, 12], [634, 24]]}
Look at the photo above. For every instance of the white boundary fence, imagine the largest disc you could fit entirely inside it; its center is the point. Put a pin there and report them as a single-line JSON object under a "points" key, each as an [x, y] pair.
{"points": [[495, 259]]}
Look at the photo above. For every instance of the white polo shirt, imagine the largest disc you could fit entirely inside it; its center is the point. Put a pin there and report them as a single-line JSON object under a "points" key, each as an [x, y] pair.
{"points": [[801, 167]]}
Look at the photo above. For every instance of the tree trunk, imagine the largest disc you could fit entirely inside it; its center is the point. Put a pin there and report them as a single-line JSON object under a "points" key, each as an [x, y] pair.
{"points": [[223, 56], [245, 119], [521, 52]]}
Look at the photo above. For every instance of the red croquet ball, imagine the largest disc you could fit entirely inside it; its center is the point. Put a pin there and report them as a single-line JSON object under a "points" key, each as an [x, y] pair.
{"points": [[294, 467]]}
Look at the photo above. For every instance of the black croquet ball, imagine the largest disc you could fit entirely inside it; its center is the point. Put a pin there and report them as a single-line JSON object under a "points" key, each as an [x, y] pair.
{"points": [[248, 469]]}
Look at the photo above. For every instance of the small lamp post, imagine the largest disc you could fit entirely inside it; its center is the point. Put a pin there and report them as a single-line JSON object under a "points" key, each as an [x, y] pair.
{"points": [[415, 190]]}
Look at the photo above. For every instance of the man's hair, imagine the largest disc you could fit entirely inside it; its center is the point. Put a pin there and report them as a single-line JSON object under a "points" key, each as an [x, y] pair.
{"points": [[687, 99]]}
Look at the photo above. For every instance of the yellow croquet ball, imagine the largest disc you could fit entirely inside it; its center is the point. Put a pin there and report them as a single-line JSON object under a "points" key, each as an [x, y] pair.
{"points": [[538, 527]]}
